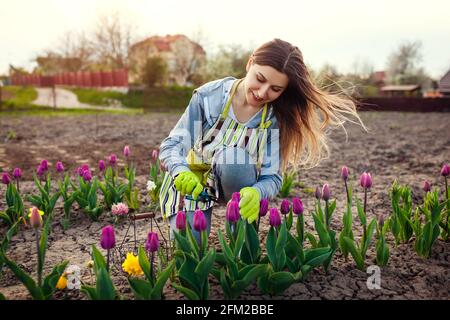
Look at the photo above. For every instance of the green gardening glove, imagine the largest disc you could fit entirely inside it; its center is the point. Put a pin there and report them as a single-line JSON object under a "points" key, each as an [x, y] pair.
{"points": [[249, 204], [188, 183]]}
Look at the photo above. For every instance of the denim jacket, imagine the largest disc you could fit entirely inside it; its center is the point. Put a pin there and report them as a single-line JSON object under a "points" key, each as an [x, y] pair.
{"points": [[205, 107]]}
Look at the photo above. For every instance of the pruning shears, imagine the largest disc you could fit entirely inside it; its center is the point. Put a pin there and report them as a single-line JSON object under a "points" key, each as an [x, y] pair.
{"points": [[203, 196]]}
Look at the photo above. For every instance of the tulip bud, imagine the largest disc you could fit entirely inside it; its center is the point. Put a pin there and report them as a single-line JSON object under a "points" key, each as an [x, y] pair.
{"points": [[112, 159], [297, 206], [59, 166], [35, 218], [318, 193], [87, 176], [381, 221], [40, 171], [155, 154], [274, 217], [236, 196], [44, 165], [152, 243], [426, 186], [344, 173], [126, 151], [17, 173], [326, 192], [181, 220], [199, 220], [263, 207], [101, 165], [366, 180], [232, 214], [108, 239], [285, 206], [5, 178], [445, 171]]}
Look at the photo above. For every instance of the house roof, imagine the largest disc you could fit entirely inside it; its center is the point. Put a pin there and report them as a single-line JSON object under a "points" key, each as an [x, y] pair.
{"points": [[406, 87], [379, 76], [162, 43], [444, 83]]}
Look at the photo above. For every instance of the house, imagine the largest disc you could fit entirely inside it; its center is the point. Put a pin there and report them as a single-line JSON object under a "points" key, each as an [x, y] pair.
{"points": [[408, 90], [444, 85], [183, 57]]}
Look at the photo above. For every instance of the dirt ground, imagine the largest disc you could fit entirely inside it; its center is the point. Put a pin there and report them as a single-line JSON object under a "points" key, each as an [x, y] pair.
{"points": [[410, 147]]}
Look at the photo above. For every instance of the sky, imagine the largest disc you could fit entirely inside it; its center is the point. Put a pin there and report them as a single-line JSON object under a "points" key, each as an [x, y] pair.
{"points": [[337, 32]]}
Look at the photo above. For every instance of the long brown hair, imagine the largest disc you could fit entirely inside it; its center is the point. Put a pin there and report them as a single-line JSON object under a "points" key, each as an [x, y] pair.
{"points": [[304, 111]]}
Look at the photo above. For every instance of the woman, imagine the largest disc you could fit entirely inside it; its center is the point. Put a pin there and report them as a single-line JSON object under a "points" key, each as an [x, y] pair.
{"points": [[239, 135]]}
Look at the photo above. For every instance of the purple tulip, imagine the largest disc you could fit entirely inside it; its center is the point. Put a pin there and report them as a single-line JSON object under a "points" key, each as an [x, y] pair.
{"points": [[112, 159], [5, 178], [236, 196], [326, 192], [263, 207], [101, 165], [318, 193], [366, 180], [17, 173], [232, 214], [344, 173], [274, 217], [152, 243], [40, 171], [445, 171], [59, 167], [285, 206], [108, 239], [426, 186], [199, 220], [44, 165], [297, 206], [181, 220], [87, 177], [126, 151]]}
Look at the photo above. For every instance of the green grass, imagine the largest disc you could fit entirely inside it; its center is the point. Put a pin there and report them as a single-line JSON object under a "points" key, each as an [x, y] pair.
{"points": [[18, 97], [49, 112], [96, 97], [153, 99]]}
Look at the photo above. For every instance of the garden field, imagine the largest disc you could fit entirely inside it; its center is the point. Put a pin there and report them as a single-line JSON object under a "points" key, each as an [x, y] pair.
{"points": [[409, 147]]}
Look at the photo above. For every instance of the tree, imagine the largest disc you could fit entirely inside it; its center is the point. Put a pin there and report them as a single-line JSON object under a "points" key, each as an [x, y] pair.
{"points": [[229, 60], [403, 65], [155, 71], [112, 39]]}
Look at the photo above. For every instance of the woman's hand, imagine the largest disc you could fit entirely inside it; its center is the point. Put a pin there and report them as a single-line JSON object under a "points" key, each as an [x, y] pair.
{"points": [[188, 183], [249, 204]]}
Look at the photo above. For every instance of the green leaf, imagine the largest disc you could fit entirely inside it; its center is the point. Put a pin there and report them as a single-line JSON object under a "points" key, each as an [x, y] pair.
{"points": [[161, 281], [26, 280], [104, 286], [361, 213], [224, 283], [369, 236], [188, 293], [241, 230], [204, 267], [270, 246], [321, 231], [141, 288], [90, 292], [355, 253], [280, 281], [49, 286], [145, 264], [99, 260]]}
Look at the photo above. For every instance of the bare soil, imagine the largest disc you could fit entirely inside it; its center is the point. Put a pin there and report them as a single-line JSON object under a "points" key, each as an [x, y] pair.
{"points": [[410, 147]]}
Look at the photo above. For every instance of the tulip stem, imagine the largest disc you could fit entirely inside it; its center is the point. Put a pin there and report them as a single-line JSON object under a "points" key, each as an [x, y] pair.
{"points": [[326, 214], [448, 205], [37, 248], [346, 190], [365, 207], [107, 260]]}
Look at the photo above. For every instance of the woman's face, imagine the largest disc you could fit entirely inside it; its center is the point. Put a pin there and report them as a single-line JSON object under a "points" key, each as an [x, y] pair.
{"points": [[263, 84]]}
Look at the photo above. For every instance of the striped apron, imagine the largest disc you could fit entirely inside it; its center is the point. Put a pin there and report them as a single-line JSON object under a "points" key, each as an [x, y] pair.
{"points": [[226, 132]]}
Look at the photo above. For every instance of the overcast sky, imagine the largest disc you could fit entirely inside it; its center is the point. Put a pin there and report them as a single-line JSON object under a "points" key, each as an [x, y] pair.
{"points": [[338, 32]]}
